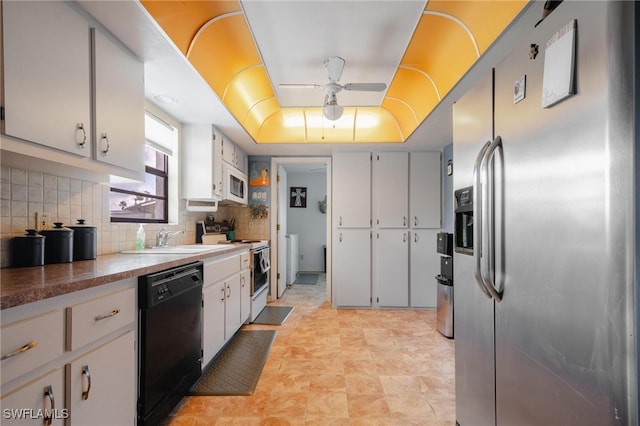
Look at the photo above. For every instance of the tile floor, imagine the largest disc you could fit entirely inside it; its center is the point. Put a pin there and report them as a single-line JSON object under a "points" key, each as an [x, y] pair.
{"points": [[341, 367]]}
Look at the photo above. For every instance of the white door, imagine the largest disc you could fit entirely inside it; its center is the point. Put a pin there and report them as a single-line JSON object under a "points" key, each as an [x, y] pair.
{"points": [[232, 306], [282, 221], [424, 189], [352, 267], [391, 275], [424, 264], [352, 190], [391, 197], [101, 385], [46, 64]]}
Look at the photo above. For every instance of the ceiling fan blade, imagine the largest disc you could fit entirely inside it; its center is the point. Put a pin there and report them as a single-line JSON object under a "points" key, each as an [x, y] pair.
{"points": [[334, 66], [365, 87], [300, 86]]}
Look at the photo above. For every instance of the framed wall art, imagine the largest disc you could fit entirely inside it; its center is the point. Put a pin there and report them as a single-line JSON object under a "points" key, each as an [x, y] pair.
{"points": [[298, 197]]}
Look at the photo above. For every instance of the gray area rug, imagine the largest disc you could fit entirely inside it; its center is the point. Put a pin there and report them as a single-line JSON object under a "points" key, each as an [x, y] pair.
{"points": [[306, 278], [273, 315], [237, 368]]}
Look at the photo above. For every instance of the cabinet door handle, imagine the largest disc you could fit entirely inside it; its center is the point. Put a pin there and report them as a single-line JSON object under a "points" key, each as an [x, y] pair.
{"points": [[48, 393], [340, 238], [104, 139], [85, 373], [340, 221], [23, 349], [404, 221], [83, 142], [222, 294], [415, 221], [404, 237], [243, 280], [228, 291], [109, 315], [415, 237]]}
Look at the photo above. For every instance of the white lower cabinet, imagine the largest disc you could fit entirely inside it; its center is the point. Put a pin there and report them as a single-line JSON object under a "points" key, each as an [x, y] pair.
{"points": [[352, 267], [93, 381], [34, 402], [101, 384], [424, 266], [223, 302], [391, 274]]}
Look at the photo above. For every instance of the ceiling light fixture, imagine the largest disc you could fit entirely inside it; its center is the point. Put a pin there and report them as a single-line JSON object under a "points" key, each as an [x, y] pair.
{"points": [[332, 111], [165, 99]]}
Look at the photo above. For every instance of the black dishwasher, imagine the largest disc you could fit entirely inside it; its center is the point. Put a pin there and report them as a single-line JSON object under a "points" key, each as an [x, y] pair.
{"points": [[170, 334]]}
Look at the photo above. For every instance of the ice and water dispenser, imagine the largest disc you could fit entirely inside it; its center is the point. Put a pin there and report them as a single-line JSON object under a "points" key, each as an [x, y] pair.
{"points": [[464, 220]]}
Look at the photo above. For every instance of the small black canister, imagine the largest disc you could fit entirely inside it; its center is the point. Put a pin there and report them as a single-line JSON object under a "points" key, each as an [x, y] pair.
{"points": [[59, 245], [27, 250], [85, 241]]}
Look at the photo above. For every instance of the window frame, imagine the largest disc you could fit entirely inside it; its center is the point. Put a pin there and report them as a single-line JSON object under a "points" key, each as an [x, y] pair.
{"points": [[149, 170]]}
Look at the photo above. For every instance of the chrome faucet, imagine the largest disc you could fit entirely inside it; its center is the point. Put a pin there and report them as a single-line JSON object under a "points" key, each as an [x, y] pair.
{"points": [[163, 237]]}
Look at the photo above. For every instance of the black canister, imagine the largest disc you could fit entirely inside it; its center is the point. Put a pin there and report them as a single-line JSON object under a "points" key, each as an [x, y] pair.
{"points": [[59, 245], [27, 250], [85, 241]]}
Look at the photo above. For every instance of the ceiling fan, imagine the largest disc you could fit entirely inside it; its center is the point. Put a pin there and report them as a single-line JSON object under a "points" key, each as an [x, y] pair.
{"points": [[334, 66]]}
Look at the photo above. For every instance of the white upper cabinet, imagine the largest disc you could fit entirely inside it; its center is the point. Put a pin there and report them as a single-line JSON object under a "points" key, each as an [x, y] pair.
{"points": [[232, 154], [47, 75], [119, 105], [391, 197], [202, 162], [351, 180], [425, 190]]}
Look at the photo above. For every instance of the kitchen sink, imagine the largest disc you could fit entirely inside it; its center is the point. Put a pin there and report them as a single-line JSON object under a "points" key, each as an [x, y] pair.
{"points": [[184, 249]]}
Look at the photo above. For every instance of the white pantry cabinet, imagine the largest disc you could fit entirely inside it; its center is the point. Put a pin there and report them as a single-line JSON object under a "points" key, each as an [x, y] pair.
{"points": [[352, 267], [202, 162], [351, 180], [424, 264], [47, 75], [391, 273], [118, 105], [232, 154], [390, 182], [425, 190]]}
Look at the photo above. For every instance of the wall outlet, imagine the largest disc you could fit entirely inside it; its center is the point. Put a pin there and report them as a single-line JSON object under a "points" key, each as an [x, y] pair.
{"points": [[43, 220]]}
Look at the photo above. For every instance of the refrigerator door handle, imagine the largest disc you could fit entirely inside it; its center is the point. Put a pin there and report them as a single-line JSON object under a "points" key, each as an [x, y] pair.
{"points": [[487, 168], [477, 217]]}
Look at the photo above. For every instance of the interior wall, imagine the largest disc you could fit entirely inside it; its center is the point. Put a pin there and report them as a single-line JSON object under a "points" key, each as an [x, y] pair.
{"points": [[309, 223], [447, 189]]}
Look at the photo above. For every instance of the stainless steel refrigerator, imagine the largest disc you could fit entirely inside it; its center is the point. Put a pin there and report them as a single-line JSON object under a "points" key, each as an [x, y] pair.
{"points": [[545, 239]]}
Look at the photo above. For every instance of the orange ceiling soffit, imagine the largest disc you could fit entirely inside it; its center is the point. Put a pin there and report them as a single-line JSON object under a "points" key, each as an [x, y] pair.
{"points": [[449, 38]]}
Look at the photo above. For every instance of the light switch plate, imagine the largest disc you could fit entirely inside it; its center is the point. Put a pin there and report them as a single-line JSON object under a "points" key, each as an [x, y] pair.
{"points": [[43, 220]]}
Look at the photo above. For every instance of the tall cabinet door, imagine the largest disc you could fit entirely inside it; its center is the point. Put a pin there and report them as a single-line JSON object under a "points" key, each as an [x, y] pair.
{"points": [[391, 275], [232, 306], [352, 190], [425, 190], [119, 105], [391, 198], [352, 267], [46, 64], [424, 265]]}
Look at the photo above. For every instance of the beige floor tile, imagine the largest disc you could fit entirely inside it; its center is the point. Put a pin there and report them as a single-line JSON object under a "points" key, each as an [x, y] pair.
{"points": [[339, 367]]}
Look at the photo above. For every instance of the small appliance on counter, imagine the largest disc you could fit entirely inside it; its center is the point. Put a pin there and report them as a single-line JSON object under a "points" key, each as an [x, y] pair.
{"points": [[209, 231], [444, 311]]}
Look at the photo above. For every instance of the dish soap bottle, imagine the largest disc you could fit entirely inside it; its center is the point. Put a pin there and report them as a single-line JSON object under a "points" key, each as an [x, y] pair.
{"points": [[140, 237]]}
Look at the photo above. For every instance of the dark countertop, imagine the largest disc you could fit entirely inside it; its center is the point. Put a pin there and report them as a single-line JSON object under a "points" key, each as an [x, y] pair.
{"points": [[19, 286]]}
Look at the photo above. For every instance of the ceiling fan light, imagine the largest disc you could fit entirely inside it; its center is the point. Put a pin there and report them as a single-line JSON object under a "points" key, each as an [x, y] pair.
{"points": [[332, 112]]}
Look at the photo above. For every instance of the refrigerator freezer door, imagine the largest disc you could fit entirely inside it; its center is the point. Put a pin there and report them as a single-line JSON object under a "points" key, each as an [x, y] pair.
{"points": [[561, 330], [473, 314]]}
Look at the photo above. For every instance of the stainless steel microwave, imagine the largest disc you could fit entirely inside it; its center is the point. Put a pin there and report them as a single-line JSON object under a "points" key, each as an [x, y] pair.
{"points": [[234, 186]]}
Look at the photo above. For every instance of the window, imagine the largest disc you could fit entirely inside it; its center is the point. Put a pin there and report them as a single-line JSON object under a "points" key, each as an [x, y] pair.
{"points": [[147, 202]]}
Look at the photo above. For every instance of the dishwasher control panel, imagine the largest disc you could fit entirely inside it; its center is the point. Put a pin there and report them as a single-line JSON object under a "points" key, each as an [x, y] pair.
{"points": [[161, 286]]}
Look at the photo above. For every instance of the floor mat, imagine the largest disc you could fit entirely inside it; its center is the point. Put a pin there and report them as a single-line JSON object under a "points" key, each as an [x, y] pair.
{"points": [[273, 315], [306, 278], [237, 368]]}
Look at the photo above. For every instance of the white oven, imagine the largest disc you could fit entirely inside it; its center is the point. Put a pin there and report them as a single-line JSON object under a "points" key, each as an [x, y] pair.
{"points": [[234, 187], [260, 269]]}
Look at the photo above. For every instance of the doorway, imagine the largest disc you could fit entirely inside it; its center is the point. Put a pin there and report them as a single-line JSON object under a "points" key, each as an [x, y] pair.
{"points": [[289, 167]]}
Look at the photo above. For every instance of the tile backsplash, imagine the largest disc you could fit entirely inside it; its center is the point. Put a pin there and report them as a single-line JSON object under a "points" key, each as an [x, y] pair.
{"points": [[25, 192]]}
